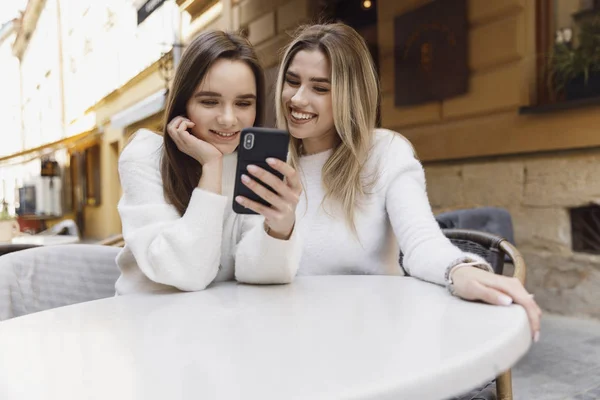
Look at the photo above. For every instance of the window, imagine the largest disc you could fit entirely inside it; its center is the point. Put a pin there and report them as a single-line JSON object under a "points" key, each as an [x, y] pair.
{"points": [[585, 229], [567, 42]]}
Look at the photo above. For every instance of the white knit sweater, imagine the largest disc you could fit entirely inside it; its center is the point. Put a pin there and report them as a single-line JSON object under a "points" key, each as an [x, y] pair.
{"points": [[165, 251], [395, 215]]}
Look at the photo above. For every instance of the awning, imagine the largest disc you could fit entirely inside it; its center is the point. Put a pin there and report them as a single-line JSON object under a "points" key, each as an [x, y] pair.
{"points": [[82, 140], [140, 110]]}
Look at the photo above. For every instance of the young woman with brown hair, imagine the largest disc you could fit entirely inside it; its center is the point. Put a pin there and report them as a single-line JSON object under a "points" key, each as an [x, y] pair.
{"points": [[179, 228]]}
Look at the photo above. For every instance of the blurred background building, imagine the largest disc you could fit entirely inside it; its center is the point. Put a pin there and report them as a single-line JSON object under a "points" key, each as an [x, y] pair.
{"points": [[517, 127]]}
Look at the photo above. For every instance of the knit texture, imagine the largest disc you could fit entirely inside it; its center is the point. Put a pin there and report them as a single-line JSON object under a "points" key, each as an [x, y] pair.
{"points": [[394, 215], [165, 251]]}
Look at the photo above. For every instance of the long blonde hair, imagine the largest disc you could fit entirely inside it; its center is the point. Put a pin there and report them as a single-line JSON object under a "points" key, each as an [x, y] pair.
{"points": [[355, 97]]}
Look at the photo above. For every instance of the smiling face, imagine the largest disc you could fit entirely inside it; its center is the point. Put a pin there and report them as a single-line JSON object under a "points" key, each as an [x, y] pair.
{"points": [[223, 104], [307, 102]]}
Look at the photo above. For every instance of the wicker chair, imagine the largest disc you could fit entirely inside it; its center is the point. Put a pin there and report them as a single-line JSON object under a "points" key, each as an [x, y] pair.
{"points": [[36, 278], [494, 249], [6, 248]]}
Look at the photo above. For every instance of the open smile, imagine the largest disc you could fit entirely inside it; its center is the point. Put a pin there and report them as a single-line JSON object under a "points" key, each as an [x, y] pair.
{"points": [[301, 117], [225, 135]]}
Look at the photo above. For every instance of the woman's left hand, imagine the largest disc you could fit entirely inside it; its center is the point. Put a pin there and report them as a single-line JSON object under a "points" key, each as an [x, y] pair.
{"points": [[281, 216], [472, 283]]}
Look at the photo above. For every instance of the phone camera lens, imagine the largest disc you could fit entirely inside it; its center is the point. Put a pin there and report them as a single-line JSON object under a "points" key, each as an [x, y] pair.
{"points": [[249, 141]]}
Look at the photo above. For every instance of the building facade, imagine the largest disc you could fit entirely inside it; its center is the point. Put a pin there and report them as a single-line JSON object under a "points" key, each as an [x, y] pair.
{"points": [[501, 143], [10, 103], [497, 146]]}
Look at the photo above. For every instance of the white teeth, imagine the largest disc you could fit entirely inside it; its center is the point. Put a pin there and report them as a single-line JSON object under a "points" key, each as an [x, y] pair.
{"points": [[225, 134], [299, 115]]}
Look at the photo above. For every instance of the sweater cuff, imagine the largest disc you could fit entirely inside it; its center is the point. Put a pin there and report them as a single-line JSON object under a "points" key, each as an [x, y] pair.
{"points": [[470, 260], [275, 262]]}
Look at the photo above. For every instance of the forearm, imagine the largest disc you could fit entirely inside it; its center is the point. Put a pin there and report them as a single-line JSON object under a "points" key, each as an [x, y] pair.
{"points": [[428, 254], [183, 252], [264, 259], [211, 179]]}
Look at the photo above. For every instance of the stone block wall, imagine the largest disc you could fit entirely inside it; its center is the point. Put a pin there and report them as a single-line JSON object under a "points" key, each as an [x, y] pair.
{"points": [[268, 23], [538, 190]]}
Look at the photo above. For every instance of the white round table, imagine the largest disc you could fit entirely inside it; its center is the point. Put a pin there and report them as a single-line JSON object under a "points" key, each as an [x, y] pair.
{"points": [[333, 337]]}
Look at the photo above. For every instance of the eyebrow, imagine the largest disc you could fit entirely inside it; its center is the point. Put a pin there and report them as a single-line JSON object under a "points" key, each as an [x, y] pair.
{"points": [[320, 80], [215, 94]]}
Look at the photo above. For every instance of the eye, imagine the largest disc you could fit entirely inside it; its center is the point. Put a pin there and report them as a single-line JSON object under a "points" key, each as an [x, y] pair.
{"points": [[209, 103], [244, 104], [292, 82], [320, 89]]}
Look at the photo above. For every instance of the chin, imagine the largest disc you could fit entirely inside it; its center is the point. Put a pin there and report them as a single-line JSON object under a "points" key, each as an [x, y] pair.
{"points": [[298, 133], [226, 149]]}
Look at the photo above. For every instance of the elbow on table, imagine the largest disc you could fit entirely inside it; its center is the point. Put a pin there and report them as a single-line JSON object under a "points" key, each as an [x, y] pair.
{"points": [[192, 286], [286, 276], [188, 282], [281, 277], [185, 279]]}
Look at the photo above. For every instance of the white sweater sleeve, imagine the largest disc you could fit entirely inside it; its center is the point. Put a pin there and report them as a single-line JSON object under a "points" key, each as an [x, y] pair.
{"points": [[180, 251], [428, 254], [263, 259]]}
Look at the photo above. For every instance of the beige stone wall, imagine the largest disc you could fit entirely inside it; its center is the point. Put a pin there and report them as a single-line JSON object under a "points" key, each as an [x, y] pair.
{"points": [[486, 120], [538, 190], [469, 145], [497, 61], [269, 22]]}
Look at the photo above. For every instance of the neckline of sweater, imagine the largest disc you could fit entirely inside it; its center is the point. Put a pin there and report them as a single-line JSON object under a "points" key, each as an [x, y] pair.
{"points": [[322, 155]]}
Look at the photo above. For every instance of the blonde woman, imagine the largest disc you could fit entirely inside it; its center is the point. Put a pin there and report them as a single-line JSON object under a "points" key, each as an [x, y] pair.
{"points": [[364, 191]]}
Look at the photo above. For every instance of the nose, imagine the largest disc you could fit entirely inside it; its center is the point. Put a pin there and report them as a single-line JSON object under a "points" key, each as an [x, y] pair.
{"points": [[299, 99], [227, 118]]}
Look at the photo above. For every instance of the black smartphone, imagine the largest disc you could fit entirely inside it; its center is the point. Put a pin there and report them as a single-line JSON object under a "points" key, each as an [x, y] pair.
{"points": [[256, 145]]}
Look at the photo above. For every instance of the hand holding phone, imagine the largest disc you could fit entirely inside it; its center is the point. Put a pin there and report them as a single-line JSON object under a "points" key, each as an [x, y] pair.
{"points": [[265, 183]]}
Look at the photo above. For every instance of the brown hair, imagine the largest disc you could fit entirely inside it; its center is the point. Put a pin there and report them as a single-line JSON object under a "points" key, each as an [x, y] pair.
{"points": [[180, 172]]}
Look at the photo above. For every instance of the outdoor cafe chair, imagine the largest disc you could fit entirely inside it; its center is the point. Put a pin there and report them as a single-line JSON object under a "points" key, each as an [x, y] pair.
{"points": [[494, 249]]}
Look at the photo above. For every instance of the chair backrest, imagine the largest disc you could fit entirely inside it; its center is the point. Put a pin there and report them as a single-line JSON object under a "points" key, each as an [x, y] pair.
{"points": [[488, 246], [493, 220], [6, 248], [481, 243], [41, 278]]}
